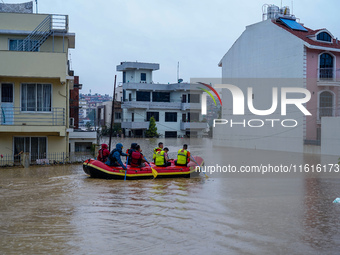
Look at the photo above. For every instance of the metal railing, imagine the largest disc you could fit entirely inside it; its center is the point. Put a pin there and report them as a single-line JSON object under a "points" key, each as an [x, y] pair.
{"points": [[44, 159], [329, 74], [52, 23], [16, 116]]}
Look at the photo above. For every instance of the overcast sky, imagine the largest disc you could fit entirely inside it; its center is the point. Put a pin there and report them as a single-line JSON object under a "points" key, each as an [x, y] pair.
{"points": [[196, 33]]}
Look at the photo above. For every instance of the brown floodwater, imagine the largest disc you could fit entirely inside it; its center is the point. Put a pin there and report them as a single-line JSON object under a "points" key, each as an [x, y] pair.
{"points": [[60, 210]]}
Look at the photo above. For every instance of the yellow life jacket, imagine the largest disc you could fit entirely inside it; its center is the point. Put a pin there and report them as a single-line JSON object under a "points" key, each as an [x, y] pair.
{"points": [[155, 152], [160, 159], [182, 157]]}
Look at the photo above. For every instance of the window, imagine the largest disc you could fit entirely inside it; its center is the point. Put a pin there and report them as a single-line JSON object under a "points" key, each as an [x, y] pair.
{"points": [[171, 117], [36, 97], [6, 93], [193, 116], [160, 96], [324, 36], [326, 104], [170, 134], [143, 96], [124, 77], [118, 115], [143, 76], [37, 146], [326, 66], [17, 45], [154, 114], [193, 98], [184, 98]]}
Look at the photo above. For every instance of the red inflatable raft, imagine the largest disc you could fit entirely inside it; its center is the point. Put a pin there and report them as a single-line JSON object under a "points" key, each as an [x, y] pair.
{"points": [[97, 169]]}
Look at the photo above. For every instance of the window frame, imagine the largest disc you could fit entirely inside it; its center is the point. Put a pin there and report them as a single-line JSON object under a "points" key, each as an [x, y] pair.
{"points": [[6, 83], [159, 98], [324, 33], [166, 116], [36, 98], [150, 114], [17, 39]]}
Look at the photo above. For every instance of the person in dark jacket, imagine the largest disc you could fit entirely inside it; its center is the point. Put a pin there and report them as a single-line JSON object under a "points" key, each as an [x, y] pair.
{"points": [[130, 151], [103, 153], [114, 157]]}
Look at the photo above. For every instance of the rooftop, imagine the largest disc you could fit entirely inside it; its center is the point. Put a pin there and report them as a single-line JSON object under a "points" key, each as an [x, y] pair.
{"points": [[137, 65]]}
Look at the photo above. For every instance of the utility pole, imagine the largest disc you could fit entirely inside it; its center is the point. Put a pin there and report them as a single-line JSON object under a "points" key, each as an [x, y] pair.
{"points": [[112, 111]]}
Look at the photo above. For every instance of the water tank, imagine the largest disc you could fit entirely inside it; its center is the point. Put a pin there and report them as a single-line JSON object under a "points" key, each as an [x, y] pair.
{"points": [[285, 10], [272, 11]]}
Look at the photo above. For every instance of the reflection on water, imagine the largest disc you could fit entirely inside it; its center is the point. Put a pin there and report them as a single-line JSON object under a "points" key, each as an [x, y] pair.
{"points": [[59, 210]]}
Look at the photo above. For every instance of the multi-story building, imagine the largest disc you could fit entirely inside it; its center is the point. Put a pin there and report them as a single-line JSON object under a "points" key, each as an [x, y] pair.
{"points": [[175, 107], [281, 52], [34, 84]]}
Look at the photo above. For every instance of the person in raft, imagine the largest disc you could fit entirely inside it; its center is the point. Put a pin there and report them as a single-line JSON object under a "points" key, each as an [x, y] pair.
{"points": [[129, 151], [155, 150], [162, 158], [137, 158], [114, 157], [183, 156], [103, 153]]}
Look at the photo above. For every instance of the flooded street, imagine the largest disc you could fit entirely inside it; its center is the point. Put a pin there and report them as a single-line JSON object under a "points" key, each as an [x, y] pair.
{"points": [[60, 210]]}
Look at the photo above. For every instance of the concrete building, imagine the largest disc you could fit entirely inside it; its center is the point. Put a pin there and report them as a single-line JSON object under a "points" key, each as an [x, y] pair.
{"points": [[34, 84], [280, 52], [175, 107]]}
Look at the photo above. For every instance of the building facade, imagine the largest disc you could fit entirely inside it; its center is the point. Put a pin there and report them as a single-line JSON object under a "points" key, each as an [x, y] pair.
{"points": [[34, 84], [175, 107], [280, 52]]}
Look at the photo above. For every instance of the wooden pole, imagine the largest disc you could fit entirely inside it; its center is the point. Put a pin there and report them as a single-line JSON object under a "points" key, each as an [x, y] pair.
{"points": [[112, 111]]}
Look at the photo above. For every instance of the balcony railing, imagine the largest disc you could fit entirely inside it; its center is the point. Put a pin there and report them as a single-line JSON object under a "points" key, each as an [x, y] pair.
{"points": [[135, 123], [16, 117], [328, 76]]}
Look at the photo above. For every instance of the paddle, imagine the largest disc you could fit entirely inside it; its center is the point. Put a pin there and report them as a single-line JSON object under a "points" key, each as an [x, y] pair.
{"points": [[154, 172], [127, 160], [198, 165]]}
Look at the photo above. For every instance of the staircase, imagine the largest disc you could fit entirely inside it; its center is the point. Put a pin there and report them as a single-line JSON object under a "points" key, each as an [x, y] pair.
{"points": [[49, 26]]}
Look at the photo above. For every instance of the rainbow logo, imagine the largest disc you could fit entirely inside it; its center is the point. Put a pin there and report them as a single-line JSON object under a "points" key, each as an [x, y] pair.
{"points": [[209, 93]]}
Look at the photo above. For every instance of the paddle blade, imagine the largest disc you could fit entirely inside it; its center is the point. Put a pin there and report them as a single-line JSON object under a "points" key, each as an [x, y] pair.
{"points": [[154, 172]]}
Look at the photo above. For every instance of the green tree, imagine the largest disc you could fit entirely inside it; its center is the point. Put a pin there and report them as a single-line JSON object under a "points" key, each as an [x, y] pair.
{"points": [[152, 131], [88, 126]]}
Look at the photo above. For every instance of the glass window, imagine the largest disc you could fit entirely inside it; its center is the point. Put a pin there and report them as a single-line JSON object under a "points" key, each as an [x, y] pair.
{"points": [[6, 93], [323, 36], [326, 66], [36, 97], [143, 76], [193, 98], [20, 45], [160, 96], [171, 117], [143, 96], [37, 146], [154, 114], [326, 104], [124, 77]]}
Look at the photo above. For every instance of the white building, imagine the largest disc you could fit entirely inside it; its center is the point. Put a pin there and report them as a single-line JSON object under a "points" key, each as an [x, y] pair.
{"points": [[279, 52], [175, 107]]}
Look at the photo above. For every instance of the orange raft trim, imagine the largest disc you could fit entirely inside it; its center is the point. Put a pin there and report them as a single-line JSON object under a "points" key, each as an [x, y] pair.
{"points": [[97, 169]]}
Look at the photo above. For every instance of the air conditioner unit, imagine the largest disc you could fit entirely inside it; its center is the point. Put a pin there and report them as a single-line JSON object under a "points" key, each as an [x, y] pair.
{"points": [[71, 122]]}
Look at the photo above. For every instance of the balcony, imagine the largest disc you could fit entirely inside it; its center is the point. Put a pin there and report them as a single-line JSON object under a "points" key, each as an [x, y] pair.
{"points": [[193, 125], [328, 77], [33, 64], [136, 124], [151, 105], [190, 106], [14, 120]]}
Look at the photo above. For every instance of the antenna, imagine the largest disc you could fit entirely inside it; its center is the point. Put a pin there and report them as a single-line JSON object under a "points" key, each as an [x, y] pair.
{"points": [[292, 7], [177, 71]]}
